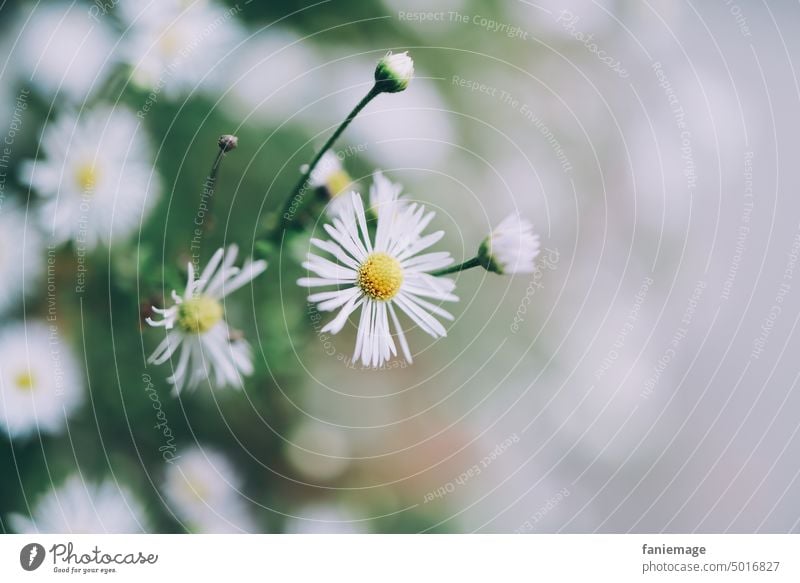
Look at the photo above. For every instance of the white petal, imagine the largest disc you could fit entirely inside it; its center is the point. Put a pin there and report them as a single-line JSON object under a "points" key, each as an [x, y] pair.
{"points": [[335, 325], [400, 334]]}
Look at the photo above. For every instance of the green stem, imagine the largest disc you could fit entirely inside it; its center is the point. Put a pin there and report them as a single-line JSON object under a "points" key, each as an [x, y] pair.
{"points": [[209, 190], [468, 264], [287, 213]]}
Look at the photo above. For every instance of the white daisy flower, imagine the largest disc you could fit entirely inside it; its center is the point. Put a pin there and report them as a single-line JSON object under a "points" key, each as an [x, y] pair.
{"points": [[21, 255], [97, 175], [61, 49], [40, 381], [204, 490], [511, 247], [207, 345], [394, 72], [380, 277], [78, 507], [176, 46], [331, 175]]}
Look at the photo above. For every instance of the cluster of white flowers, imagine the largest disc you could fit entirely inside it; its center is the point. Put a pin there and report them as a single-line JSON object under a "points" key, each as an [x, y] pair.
{"points": [[95, 186], [80, 507]]}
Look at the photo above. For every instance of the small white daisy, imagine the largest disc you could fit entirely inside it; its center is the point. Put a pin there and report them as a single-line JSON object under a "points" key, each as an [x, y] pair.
{"points": [[22, 255], [61, 49], [208, 346], [204, 490], [97, 176], [381, 276], [176, 46], [40, 381], [78, 507], [511, 247], [331, 175]]}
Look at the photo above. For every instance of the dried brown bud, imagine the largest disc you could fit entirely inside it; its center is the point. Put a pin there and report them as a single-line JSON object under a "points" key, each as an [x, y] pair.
{"points": [[228, 142]]}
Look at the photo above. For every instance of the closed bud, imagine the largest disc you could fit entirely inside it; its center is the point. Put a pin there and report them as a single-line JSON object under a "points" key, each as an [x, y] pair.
{"points": [[394, 72], [228, 142]]}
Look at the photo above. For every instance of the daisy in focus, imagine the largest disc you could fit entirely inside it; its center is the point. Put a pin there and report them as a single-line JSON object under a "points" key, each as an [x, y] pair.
{"points": [[96, 175], [196, 324], [176, 46], [40, 381], [204, 490], [511, 247], [79, 507], [381, 277], [21, 255]]}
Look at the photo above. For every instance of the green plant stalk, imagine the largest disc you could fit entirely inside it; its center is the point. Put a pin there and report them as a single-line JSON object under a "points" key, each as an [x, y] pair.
{"points": [[286, 213], [468, 264]]}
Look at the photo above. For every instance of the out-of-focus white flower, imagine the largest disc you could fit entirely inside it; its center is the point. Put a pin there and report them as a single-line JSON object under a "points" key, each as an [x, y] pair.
{"points": [[511, 247], [207, 345], [78, 507], [61, 49], [331, 175], [318, 451], [97, 176], [176, 46], [40, 382], [204, 490], [21, 255], [394, 72], [378, 277], [322, 518]]}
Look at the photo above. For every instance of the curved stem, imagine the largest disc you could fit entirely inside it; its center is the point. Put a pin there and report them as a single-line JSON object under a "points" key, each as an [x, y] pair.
{"points": [[468, 264], [287, 214]]}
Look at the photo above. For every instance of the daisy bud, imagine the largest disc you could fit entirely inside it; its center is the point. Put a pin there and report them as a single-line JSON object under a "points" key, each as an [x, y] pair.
{"points": [[228, 143], [394, 72], [510, 248]]}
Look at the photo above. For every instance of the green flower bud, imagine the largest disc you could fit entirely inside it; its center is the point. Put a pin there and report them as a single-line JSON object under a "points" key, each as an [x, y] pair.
{"points": [[394, 72]]}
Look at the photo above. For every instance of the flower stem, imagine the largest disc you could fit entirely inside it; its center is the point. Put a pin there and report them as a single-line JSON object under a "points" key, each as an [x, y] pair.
{"points": [[209, 189], [291, 206], [468, 264]]}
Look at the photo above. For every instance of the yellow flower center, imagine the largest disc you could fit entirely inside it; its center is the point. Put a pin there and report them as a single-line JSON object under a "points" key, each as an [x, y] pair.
{"points": [[24, 380], [337, 182], [86, 177], [380, 276], [199, 314]]}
